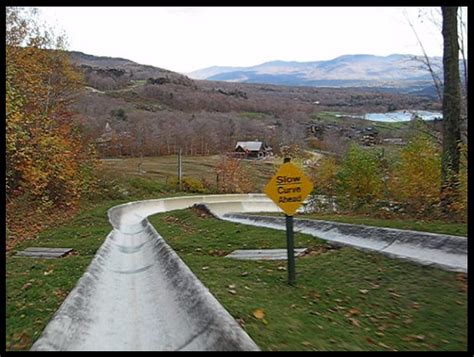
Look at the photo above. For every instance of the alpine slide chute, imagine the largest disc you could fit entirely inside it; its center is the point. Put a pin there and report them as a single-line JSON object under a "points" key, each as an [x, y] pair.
{"points": [[137, 294]]}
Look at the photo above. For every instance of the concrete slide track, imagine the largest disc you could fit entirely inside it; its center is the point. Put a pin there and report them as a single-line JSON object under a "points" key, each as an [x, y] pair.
{"points": [[137, 294]]}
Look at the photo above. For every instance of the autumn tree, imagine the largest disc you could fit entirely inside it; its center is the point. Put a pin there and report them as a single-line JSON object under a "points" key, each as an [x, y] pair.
{"points": [[45, 154], [415, 179], [323, 176], [232, 176]]}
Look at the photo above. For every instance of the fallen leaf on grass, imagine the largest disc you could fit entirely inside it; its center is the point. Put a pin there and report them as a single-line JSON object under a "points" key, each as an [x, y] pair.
{"points": [[60, 294], [410, 338], [233, 292], [354, 311], [259, 314], [363, 291], [462, 278], [355, 322], [369, 340], [27, 286]]}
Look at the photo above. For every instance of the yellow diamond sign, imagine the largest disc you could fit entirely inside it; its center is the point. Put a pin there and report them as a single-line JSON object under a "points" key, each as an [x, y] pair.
{"points": [[288, 188]]}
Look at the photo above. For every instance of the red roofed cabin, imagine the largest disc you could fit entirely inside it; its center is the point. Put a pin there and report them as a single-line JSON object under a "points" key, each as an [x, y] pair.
{"points": [[252, 149]]}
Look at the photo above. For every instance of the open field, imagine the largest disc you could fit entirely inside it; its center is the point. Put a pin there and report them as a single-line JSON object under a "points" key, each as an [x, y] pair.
{"points": [[163, 168]]}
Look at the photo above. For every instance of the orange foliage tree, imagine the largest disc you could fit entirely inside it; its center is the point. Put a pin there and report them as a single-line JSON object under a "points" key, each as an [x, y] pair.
{"points": [[232, 176], [45, 156]]}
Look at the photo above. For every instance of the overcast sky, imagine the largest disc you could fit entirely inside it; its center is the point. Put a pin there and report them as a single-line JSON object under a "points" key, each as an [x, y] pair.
{"points": [[184, 39]]}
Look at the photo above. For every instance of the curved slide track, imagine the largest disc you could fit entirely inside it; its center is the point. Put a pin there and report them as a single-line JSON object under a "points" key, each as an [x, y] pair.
{"points": [[137, 294]]}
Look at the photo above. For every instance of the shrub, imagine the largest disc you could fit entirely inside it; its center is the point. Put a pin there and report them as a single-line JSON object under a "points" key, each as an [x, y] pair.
{"points": [[416, 178], [188, 184], [323, 176], [360, 178]]}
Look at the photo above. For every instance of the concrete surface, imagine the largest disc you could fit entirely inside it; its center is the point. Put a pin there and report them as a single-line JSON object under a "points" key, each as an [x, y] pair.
{"points": [[48, 253], [137, 294], [264, 254], [443, 251]]}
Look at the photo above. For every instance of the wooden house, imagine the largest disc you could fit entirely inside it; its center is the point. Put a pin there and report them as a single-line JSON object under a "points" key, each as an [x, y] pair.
{"points": [[252, 149]]}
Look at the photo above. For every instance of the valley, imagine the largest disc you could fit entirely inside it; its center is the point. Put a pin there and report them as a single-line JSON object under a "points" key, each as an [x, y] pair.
{"points": [[152, 111]]}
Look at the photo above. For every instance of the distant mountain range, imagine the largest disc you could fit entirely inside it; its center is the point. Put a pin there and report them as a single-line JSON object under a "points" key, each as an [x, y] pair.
{"points": [[405, 73]]}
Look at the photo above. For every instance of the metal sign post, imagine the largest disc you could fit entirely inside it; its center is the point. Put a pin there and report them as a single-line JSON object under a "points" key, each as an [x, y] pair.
{"points": [[180, 171], [290, 251], [288, 188]]}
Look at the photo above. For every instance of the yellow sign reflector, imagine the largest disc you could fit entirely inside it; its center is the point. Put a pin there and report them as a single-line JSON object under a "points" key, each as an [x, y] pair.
{"points": [[288, 188]]}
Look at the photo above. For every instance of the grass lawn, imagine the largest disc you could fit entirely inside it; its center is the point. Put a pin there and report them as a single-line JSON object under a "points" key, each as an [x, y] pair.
{"points": [[344, 299]]}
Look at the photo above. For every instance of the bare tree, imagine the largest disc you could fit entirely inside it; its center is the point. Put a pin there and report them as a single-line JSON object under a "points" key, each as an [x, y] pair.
{"points": [[426, 61]]}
